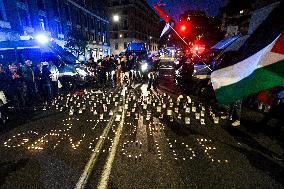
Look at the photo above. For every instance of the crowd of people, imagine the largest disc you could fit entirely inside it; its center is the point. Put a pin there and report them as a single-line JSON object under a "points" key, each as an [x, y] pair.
{"points": [[27, 84], [115, 70]]}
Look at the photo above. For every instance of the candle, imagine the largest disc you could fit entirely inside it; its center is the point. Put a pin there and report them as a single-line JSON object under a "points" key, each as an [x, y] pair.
{"points": [[197, 115], [169, 112], [187, 120]]}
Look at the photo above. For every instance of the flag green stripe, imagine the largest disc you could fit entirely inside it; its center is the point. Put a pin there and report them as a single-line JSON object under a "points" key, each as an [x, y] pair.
{"points": [[261, 79]]}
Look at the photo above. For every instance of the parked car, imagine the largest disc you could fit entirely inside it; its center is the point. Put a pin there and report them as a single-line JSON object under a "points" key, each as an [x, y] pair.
{"points": [[138, 49], [73, 76]]}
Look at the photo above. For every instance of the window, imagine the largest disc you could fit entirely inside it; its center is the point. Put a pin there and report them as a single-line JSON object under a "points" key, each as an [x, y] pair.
{"points": [[93, 6], [125, 35], [116, 46], [78, 17], [24, 17], [55, 6], [103, 27], [92, 23], [99, 26], [1, 15], [59, 28], [42, 23], [84, 21], [115, 27], [67, 12], [115, 35], [40, 5], [69, 28], [125, 24], [2, 9]]}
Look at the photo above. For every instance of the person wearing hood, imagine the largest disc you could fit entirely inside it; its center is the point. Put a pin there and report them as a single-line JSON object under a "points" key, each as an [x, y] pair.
{"points": [[46, 81], [29, 81]]}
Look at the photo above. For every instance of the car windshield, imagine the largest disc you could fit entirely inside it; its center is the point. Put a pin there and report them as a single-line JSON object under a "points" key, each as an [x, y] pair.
{"points": [[136, 47]]}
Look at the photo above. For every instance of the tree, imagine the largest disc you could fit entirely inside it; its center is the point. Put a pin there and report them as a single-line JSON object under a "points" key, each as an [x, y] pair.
{"points": [[76, 43]]}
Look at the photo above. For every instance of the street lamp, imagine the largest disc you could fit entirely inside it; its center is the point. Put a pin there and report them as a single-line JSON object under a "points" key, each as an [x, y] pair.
{"points": [[116, 18]]}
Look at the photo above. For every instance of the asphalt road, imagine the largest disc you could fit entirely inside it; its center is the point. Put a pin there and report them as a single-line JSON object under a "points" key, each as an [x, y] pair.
{"points": [[131, 138]]}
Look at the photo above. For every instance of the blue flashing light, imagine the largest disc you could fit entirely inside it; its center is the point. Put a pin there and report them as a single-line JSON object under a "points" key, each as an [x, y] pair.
{"points": [[42, 39]]}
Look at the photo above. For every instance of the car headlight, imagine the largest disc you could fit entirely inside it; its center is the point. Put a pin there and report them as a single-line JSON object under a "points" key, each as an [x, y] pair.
{"points": [[144, 67], [82, 72], [176, 62]]}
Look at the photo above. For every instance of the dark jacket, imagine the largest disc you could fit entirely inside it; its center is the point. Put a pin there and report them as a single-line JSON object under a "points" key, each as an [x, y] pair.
{"points": [[38, 74], [3, 82], [15, 84], [130, 64], [123, 66], [28, 74], [46, 75], [110, 65], [155, 66]]}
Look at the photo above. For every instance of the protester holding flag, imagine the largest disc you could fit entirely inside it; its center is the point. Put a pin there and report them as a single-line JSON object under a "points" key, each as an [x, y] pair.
{"points": [[259, 65]]}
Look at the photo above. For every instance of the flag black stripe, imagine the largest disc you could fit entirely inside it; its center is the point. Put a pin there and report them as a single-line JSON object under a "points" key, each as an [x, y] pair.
{"points": [[268, 31]]}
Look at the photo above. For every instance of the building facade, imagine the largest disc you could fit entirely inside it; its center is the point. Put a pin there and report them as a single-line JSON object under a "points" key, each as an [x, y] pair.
{"points": [[204, 28], [135, 21], [25, 19], [242, 17]]}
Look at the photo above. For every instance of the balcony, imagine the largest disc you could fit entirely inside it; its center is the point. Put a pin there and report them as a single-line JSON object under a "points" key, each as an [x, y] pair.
{"points": [[4, 24], [28, 30]]}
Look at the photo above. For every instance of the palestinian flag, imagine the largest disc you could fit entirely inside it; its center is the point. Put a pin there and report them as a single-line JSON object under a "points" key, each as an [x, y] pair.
{"points": [[259, 64]]}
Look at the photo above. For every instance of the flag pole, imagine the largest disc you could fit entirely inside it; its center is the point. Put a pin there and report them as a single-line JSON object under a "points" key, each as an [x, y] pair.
{"points": [[167, 19], [188, 46]]}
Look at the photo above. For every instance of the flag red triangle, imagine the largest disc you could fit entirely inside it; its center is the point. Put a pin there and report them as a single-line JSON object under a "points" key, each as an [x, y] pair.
{"points": [[279, 45]]}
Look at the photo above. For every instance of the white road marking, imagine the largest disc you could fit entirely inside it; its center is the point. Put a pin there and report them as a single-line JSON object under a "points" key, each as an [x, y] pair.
{"points": [[89, 166], [142, 133], [108, 166]]}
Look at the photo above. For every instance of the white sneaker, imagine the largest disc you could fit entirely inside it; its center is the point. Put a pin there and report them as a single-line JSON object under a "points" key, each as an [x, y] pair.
{"points": [[236, 123]]}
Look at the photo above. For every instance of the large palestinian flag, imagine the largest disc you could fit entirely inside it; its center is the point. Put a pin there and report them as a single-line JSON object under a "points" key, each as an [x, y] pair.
{"points": [[259, 65]]}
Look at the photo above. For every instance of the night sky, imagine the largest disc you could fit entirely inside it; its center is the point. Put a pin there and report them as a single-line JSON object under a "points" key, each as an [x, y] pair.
{"points": [[175, 7]]}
